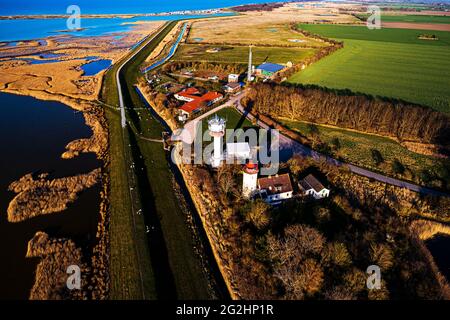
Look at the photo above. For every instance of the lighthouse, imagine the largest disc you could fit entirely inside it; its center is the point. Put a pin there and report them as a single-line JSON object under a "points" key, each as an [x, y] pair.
{"points": [[217, 127], [250, 182]]}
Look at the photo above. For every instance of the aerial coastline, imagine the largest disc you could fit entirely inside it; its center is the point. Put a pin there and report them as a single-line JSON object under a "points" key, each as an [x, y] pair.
{"points": [[178, 50]]}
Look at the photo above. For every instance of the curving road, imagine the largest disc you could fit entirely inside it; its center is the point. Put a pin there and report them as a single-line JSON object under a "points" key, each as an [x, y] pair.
{"points": [[290, 146]]}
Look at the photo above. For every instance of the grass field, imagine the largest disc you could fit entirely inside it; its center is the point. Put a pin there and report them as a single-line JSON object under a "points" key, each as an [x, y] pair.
{"points": [[387, 62], [248, 31], [357, 148], [234, 121], [239, 54], [411, 18]]}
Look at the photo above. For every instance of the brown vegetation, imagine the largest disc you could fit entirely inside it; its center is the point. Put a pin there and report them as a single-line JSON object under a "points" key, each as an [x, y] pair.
{"points": [[41, 196], [51, 273]]}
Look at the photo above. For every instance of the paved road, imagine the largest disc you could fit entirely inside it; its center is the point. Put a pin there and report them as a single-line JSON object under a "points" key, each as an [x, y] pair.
{"points": [[119, 85], [288, 147]]}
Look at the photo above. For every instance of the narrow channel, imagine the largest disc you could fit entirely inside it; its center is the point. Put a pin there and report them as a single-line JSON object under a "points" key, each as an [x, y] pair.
{"points": [[199, 234]]}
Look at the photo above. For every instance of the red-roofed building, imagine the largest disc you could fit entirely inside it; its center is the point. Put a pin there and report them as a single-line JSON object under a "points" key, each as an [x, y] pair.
{"points": [[189, 94], [212, 97], [195, 102]]}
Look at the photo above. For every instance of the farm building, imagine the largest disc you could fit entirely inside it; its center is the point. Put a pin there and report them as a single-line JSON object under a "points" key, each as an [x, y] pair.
{"points": [[268, 69], [189, 94], [313, 187], [195, 103]]}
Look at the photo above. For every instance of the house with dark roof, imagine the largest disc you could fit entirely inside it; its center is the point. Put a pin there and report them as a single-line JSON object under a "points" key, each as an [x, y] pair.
{"points": [[313, 187], [268, 69], [232, 87], [274, 189]]}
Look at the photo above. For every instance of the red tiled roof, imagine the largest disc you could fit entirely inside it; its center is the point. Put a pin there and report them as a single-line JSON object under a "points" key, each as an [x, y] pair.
{"points": [[276, 184], [210, 96], [190, 107], [195, 104]]}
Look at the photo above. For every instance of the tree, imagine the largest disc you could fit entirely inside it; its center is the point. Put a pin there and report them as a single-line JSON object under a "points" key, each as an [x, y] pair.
{"points": [[425, 176], [258, 214], [382, 256], [397, 167], [310, 277], [377, 157], [313, 130], [294, 260], [336, 143], [295, 164], [336, 253], [322, 214]]}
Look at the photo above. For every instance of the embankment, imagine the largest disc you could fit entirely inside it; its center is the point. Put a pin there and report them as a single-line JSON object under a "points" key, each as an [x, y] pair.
{"points": [[209, 210]]}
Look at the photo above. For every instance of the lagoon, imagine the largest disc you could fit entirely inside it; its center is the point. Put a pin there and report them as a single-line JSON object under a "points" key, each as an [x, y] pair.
{"points": [[30, 29], [33, 135], [26, 7], [94, 67]]}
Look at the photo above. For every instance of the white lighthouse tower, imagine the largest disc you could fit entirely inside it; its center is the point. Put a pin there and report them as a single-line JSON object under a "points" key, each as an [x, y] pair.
{"points": [[250, 183], [217, 127]]}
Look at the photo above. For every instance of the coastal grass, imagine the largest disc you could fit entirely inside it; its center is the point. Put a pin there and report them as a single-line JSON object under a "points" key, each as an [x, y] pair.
{"points": [[178, 273], [248, 31], [356, 148], [239, 54], [392, 63]]}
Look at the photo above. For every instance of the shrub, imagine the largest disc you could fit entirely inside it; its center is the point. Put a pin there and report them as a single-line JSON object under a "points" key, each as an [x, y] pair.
{"points": [[397, 167], [377, 157]]}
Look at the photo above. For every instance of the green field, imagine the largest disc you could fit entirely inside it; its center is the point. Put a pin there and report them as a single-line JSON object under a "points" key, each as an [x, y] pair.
{"points": [[239, 54], [356, 148], [411, 18], [387, 62], [234, 120]]}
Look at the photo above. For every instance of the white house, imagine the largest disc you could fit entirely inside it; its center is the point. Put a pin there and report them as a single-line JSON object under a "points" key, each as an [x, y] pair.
{"points": [[232, 87], [274, 189], [312, 187], [238, 150], [233, 78]]}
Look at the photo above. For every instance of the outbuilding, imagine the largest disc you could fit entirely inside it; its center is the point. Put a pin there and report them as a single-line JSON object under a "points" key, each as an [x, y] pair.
{"points": [[313, 187]]}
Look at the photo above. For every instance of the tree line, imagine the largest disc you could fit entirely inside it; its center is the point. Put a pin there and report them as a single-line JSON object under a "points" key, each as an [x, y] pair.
{"points": [[342, 108]]}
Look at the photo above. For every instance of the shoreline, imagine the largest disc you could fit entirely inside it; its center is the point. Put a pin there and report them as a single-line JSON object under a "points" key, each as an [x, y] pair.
{"points": [[119, 15], [98, 143]]}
